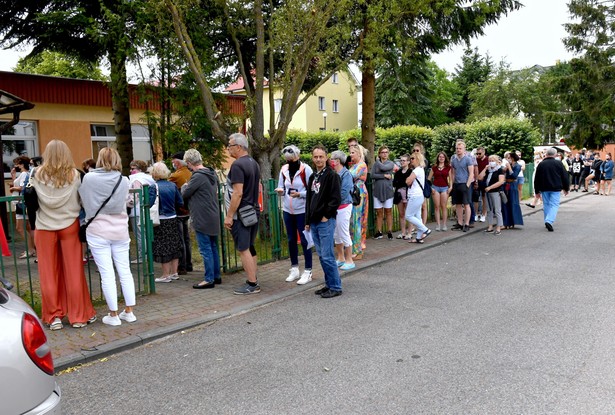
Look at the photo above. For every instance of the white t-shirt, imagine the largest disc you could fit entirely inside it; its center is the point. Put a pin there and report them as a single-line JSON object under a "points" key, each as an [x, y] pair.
{"points": [[415, 189], [522, 164]]}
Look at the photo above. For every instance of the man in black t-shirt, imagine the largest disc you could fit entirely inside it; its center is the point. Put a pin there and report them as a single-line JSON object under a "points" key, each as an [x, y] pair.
{"points": [[242, 187]]}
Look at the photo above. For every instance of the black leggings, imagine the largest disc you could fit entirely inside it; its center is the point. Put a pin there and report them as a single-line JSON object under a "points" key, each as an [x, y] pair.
{"points": [[576, 179]]}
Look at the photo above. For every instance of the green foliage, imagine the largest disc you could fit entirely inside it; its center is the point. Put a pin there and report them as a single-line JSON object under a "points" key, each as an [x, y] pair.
{"points": [[501, 134], [306, 141], [445, 137], [59, 64], [473, 71], [401, 139]]}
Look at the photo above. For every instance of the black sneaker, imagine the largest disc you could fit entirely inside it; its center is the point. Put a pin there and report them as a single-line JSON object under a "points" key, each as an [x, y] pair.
{"points": [[247, 289], [456, 227], [321, 291], [378, 235], [330, 294], [466, 228], [217, 280], [549, 226], [390, 236]]}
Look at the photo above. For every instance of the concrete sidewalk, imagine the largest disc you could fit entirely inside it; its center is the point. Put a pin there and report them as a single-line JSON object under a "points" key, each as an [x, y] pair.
{"points": [[177, 306]]}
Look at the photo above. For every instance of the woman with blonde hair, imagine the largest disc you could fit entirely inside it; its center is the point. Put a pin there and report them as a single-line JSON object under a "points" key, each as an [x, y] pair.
{"points": [[64, 291], [416, 184], [167, 244], [104, 193], [358, 220]]}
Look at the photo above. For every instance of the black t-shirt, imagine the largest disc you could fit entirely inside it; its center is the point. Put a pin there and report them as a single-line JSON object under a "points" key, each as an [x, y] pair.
{"points": [[244, 170]]}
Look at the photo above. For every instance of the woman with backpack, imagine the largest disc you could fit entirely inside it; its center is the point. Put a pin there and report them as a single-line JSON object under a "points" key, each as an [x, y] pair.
{"points": [[292, 187], [416, 185]]}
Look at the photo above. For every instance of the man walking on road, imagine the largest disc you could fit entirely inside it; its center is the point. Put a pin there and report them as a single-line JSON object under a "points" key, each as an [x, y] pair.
{"points": [[323, 199], [242, 214], [551, 178]]}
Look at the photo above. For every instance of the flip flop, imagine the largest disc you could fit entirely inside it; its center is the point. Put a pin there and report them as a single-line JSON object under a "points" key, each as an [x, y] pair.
{"points": [[488, 230], [416, 241]]}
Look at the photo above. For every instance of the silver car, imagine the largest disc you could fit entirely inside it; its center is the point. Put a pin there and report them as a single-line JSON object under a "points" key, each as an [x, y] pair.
{"points": [[26, 367]]}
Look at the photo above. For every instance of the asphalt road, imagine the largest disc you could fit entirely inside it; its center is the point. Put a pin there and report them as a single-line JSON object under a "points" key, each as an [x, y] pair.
{"points": [[517, 324]]}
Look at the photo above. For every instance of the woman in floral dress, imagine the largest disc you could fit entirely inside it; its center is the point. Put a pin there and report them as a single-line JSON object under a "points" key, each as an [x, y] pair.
{"points": [[358, 220]]}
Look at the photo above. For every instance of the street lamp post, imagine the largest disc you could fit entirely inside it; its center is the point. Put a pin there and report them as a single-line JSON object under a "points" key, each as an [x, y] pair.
{"points": [[324, 117]]}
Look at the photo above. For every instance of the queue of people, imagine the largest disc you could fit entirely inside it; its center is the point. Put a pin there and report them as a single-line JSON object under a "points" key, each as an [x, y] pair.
{"points": [[324, 209]]}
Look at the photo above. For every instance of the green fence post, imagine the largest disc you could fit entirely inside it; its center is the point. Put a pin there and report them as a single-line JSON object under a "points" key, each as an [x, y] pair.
{"points": [[223, 247], [274, 215], [149, 230]]}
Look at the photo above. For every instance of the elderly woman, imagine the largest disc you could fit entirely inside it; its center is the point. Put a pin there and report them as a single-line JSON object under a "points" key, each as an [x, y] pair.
{"points": [[107, 232], [138, 178], [495, 178], [292, 186], [200, 194], [167, 244], [63, 287], [382, 191], [416, 184], [358, 220]]}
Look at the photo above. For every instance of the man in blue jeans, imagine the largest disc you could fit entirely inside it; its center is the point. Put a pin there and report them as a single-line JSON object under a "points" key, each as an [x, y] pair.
{"points": [[551, 178], [323, 199]]}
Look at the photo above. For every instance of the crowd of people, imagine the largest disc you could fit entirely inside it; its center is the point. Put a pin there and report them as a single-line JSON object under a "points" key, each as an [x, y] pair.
{"points": [[324, 208]]}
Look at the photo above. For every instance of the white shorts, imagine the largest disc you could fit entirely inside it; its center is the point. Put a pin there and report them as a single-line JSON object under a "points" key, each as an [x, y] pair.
{"points": [[388, 204], [341, 235]]}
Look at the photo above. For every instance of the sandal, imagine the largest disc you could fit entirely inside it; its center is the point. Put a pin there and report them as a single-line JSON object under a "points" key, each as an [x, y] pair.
{"points": [[497, 233], [489, 230], [426, 234], [400, 236], [416, 241]]}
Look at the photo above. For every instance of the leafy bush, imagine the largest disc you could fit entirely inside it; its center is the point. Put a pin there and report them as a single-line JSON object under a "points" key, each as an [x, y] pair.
{"points": [[401, 139], [501, 134], [446, 136], [306, 140]]}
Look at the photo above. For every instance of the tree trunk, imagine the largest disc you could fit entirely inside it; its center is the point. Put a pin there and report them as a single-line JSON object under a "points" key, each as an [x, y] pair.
{"points": [[368, 123], [120, 104]]}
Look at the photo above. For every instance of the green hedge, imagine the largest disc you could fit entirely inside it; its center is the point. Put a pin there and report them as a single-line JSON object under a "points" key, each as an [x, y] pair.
{"points": [[497, 135]]}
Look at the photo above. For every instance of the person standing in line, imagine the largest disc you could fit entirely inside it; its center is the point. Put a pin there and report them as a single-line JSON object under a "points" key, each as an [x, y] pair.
{"points": [[180, 177], [416, 184], [200, 194], [482, 161], [242, 187], [343, 242], [292, 187], [64, 290], [22, 226], [138, 178], [521, 177], [588, 161], [575, 169], [107, 233], [167, 243], [462, 173], [494, 179], [401, 194], [358, 221], [382, 192], [606, 170], [440, 174], [511, 211], [551, 179], [323, 200], [420, 148]]}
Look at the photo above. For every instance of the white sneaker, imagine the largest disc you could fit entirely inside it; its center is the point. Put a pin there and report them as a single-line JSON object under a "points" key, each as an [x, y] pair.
{"points": [[294, 274], [163, 279], [136, 261], [305, 278], [112, 320], [482, 218], [128, 317], [174, 277], [443, 228], [438, 228], [476, 218]]}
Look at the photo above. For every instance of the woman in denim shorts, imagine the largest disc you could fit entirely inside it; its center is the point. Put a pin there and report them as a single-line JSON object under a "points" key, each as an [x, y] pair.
{"points": [[439, 174]]}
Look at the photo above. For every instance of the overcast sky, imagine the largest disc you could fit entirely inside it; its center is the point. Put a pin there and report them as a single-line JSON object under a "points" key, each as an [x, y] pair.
{"points": [[526, 37], [530, 36]]}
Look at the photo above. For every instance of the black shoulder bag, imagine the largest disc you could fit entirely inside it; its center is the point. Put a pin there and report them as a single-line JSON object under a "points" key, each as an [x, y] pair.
{"points": [[84, 227], [30, 200]]}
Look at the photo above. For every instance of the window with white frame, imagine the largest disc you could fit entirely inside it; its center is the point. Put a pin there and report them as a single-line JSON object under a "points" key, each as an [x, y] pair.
{"points": [[277, 105], [336, 105], [335, 78], [321, 104], [103, 135], [20, 139]]}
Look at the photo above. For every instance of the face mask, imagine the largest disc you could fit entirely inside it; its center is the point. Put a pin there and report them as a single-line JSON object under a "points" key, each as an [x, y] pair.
{"points": [[492, 164]]}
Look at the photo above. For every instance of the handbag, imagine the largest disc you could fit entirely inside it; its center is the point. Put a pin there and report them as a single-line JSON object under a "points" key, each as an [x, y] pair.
{"points": [[154, 211], [503, 197], [356, 195], [426, 190], [83, 228], [247, 215], [30, 199]]}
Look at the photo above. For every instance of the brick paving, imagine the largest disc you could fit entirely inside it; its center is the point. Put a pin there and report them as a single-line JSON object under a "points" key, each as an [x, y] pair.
{"points": [[177, 306]]}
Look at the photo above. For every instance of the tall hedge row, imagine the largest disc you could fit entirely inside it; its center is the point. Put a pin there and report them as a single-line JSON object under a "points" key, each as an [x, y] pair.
{"points": [[497, 135]]}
